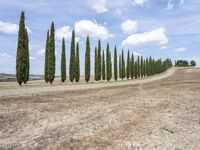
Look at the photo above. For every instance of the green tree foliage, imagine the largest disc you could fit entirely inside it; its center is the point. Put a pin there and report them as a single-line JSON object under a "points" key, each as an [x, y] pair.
{"points": [[132, 66], [144, 67], [115, 64], [123, 66], [128, 66], [182, 63], [77, 64], [72, 58], [87, 60], [27, 58], [51, 54], [63, 62], [22, 56], [120, 67], [193, 63], [141, 66], [138, 67], [103, 66], [108, 63], [99, 60], [96, 73], [46, 78], [136, 70]]}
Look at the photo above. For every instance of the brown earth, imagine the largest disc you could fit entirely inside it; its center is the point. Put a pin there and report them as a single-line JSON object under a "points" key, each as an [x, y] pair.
{"points": [[162, 112]]}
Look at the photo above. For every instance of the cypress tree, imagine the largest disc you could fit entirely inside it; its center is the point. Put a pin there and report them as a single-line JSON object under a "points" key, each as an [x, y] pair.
{"points": [[108, 62], [136, 70], [138, 67], [46, 78], [51, 54], [96, 75], [115, 64], [128, 66], [141, 66], [144, 67], [110, 59], [72, 58], [27, 58], [123, 66], [77, 64], [147, 66], [120, 67], [22, 56], [103, 66], [132, 66], [63, 62], [99, 60], [87, 60]]}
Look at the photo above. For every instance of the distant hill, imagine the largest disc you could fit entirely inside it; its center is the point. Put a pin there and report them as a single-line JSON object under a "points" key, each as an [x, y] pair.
{"points": [[4, 77]]}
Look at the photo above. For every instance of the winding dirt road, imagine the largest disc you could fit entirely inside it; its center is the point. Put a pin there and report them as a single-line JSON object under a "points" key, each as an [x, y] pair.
{"points": [[162, 112]]}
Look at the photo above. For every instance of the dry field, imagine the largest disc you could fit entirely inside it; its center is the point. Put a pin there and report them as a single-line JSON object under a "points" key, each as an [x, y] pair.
{"points": [[161, 112]]}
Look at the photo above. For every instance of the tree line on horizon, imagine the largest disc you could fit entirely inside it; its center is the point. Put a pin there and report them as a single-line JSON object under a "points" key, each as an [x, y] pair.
{"points": [[129, 68]]}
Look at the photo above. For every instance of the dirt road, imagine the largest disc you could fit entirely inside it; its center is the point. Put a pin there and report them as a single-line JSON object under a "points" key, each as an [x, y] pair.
{"points": [[158, 113]]}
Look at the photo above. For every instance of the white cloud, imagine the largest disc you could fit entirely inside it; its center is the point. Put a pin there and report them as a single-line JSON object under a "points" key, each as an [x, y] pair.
{"points": [[129, 26], [170, 5], [87, 27], [181, 49], [163, 47], [33, 58], [98, 5], [136, 54], [40, 52], [63, 32], [118, 11], [10, 28], [5, 55], [139, 2], [154, 37]]}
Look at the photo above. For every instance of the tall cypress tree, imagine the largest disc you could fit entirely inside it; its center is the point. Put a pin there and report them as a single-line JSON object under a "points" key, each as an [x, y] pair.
{"points": [[132, 66], [141, 66], [103, 66], [77, 64], [96, 73], [63, 62], [46, 78], [115, 64], [136, 70], [51, 55], [27, 58], [123, 66], [147, 66], [72, 58], [110, 59], [120, 67], [138, 67], [108, 62], [22, 56], [99, 60], [128, 66], [144, 67], [87, 60]]}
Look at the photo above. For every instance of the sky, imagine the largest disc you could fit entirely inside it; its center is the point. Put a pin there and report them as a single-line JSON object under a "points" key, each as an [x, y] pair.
{"points": [[157, 28]]}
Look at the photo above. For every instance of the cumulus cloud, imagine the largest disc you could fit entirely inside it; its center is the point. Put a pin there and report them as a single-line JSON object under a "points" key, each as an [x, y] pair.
{"points": [[98, 5], [5, 55], [40, 52], [136, 54], [154, 37], [129, 26], [10, 28], [33, 58], [139, 2], [163, 47], [63, 32], [181, 49], [93, 29]]}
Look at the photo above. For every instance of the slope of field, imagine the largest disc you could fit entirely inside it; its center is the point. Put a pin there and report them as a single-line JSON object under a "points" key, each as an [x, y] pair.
{"points": [[162, 112]]}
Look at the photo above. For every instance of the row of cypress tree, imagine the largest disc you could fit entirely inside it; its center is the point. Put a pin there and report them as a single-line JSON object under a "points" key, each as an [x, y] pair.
{"points": [[132, 68]]}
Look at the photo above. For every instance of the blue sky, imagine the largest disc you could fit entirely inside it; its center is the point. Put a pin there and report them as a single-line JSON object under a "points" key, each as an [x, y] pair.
{"points": [[160, 28]]}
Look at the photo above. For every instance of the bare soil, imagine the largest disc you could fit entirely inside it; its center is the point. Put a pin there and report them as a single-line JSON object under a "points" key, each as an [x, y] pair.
{"points": [[162, 112]]}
